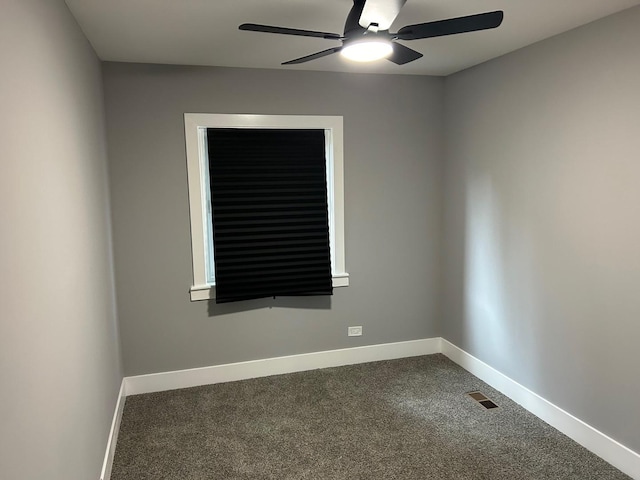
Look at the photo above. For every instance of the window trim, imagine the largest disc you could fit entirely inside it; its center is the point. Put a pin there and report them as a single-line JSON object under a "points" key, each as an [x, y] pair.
{"points": [[195, 125]]}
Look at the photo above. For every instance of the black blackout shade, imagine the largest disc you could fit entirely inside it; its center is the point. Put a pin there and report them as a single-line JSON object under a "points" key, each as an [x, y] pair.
{"points": [[269, 209]]}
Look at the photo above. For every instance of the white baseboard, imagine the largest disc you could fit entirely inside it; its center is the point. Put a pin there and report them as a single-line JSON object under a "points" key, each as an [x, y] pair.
{"points": [[621, 457], [230, 372], [597, 442], [105, 474]]}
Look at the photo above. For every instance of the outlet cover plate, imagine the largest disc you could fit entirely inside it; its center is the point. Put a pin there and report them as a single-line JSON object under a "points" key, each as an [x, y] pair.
{"points": [[354, 331]]}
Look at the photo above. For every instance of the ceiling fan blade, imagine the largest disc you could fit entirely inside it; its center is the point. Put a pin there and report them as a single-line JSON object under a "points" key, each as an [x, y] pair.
{"points": [[382, 12], [402, 54], [254, 27], [313, 56], [452, 26]]}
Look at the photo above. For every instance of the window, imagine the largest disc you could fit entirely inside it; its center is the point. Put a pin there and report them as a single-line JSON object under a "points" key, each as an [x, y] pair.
{"points": [[196, 126]]}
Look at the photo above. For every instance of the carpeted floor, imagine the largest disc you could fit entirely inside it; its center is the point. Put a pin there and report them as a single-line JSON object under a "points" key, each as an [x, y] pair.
{"points": [[399, 419]]}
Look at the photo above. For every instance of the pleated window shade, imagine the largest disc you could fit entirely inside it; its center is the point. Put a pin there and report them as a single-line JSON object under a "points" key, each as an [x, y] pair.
{"points": [[269, 213]]}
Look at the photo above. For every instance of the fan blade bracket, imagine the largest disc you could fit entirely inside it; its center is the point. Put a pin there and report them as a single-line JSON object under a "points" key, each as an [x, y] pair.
{"points": [[373, 28]]}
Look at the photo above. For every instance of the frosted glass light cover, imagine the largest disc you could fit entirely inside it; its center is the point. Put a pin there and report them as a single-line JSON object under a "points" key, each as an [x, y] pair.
{"points": [[367, 50]]}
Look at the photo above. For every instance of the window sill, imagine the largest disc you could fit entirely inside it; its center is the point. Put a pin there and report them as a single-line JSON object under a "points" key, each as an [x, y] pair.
{"points": [[208, 292]]}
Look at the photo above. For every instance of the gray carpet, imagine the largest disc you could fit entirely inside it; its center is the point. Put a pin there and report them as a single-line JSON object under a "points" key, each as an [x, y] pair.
{"points": [[398, 419]]}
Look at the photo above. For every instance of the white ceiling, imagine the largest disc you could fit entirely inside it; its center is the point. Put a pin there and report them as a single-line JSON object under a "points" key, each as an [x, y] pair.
{"points": [[205, 32]]}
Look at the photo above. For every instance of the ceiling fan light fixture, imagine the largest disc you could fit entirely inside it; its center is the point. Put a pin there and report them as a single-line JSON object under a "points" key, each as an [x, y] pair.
{"points": [[367, 50], [366, 36]]}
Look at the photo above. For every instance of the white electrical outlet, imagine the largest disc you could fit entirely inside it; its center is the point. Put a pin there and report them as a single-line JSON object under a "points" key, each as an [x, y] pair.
{"points": [[354, 331]]}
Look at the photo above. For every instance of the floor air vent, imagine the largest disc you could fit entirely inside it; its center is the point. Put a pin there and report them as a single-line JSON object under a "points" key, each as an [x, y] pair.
{"points": [[482, 400]]}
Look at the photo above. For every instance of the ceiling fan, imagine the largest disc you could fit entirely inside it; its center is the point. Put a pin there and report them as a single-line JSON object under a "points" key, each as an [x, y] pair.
{"points": [[366, 34]]}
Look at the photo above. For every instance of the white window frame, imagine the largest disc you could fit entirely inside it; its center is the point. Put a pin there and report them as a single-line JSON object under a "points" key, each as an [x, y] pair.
{"points": [[195, 125]]}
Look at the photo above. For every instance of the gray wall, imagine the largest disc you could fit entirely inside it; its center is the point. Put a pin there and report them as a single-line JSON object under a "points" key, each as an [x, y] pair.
{"points": [[393, 136], [59, 360], [542, 222]]}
